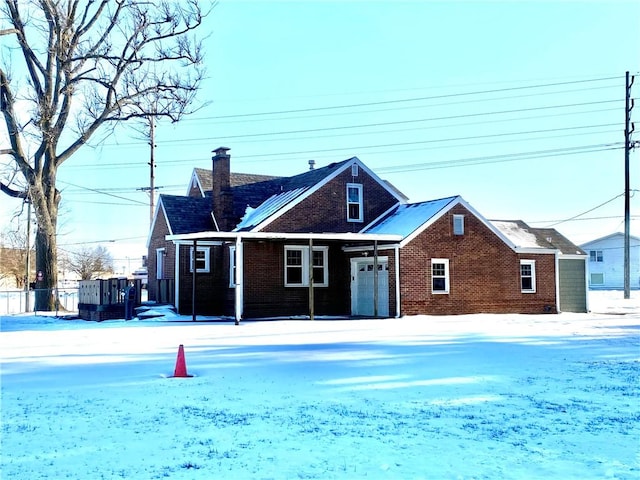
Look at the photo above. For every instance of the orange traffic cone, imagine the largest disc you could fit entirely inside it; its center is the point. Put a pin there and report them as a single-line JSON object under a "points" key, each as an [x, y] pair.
{"points": [[181, 366]]}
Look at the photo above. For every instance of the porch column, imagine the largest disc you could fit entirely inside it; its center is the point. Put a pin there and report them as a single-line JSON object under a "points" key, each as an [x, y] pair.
{"points": [[239, 293], [375, 278], [397, 269], [193, 280], [311, 296]]}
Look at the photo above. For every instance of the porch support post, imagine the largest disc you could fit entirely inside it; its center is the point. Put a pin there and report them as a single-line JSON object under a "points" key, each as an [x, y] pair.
{"points": [[193, 280], [375, 278], [176, 276], [239, 292], [311, 297], [397, 269]]}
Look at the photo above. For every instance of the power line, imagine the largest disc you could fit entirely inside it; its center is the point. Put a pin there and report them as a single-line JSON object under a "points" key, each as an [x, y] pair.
{"points": [[499, 158], [414, 99], [407, 107], [398, 122]]}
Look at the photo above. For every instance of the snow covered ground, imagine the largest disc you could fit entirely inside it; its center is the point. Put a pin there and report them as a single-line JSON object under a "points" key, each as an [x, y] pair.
{"points": [[462, 397]]}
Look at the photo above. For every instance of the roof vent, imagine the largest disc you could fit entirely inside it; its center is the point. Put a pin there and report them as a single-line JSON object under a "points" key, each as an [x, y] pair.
{"points": [[312, 164]]}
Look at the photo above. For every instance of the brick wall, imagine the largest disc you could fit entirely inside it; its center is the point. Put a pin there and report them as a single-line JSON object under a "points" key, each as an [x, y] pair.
{"points": [[265, 294], [210, 286], [160, 229], [326, 209], [484, 272]]}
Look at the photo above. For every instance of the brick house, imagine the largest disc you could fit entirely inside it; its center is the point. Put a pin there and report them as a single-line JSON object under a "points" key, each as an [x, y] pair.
{"points": [[340, 241]]}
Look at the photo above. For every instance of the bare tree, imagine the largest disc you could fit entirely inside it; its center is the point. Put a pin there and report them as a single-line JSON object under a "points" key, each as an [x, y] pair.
{"points": [[13, 254], [90, 264], [86, 65]]}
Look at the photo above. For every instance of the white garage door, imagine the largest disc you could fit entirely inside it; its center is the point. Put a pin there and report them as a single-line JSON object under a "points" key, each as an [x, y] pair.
{"points": [[362, 281]]}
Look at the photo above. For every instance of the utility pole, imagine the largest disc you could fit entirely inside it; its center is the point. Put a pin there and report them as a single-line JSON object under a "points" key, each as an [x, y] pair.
{"points": [[152, 170], [627, 215], [152, 165]]}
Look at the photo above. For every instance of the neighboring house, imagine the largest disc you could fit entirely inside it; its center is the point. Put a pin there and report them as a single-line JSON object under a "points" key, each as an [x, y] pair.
{"points": [[338, 240], [606, 262]]}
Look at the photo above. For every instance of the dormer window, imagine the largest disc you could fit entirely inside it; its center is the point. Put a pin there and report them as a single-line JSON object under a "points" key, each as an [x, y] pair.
{"points": [[354, 202]]}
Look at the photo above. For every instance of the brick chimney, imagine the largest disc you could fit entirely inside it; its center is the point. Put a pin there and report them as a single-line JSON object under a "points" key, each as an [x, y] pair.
{"points": [[222, 198]]}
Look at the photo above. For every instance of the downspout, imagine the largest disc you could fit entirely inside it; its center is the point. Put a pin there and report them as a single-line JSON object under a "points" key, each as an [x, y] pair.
{"points": [[397, 262], [311, 293], [586, 284], [239, 293]]}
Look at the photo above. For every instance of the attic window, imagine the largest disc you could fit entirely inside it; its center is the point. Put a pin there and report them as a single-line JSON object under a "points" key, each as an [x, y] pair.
{"points": [[354, 170], [354, 202], [458, 224]]}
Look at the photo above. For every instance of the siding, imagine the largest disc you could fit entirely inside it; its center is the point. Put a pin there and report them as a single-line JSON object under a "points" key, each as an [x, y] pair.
{"points": [[573, 290], [612, 266]]}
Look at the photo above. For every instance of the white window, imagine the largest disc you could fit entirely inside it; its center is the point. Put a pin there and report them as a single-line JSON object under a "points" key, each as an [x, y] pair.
{"points": [[354, 202], [440, 275], [354, 170], [458, 224], [232, 267], [597, 279], [528, 276], [202, 260], [595, 256], [160, 253], [296, 266]]}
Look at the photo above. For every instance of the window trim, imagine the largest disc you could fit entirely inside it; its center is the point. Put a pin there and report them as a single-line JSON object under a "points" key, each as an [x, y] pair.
{"points": [[458, 224], [207, 260], [305, 265], [532, 263], [593, 256], [232, 266], [160, 261], [445, 262], [360, 203]]}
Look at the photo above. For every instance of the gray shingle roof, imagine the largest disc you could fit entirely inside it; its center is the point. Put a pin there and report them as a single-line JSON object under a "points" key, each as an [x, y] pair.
{"points": [[187, 214], [522, 235]]}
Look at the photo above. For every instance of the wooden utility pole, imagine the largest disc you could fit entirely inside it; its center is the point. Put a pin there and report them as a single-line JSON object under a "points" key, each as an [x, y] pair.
{"points": [[152, 165], [627, 215]]}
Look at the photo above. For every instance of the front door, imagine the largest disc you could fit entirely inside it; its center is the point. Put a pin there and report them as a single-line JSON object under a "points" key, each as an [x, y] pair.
{"points": [[362, 287]]}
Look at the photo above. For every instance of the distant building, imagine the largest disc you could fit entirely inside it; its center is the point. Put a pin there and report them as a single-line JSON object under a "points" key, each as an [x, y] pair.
{"points": [[606, 262]]}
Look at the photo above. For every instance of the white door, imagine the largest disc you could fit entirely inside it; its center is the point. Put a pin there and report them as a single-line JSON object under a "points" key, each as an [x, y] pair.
{"points": [[362, 281]]}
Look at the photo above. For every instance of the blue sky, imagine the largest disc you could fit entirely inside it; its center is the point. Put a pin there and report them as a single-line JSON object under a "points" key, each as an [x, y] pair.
{"points": [[516, 106]]}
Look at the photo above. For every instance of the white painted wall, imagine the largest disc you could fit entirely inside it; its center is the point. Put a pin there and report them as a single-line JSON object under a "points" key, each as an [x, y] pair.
{"points": [[612, 265]]}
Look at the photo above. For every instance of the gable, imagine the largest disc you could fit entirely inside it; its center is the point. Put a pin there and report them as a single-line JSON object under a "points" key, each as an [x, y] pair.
{"points": [[614, 239], [186, 214], [318, 193]]}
